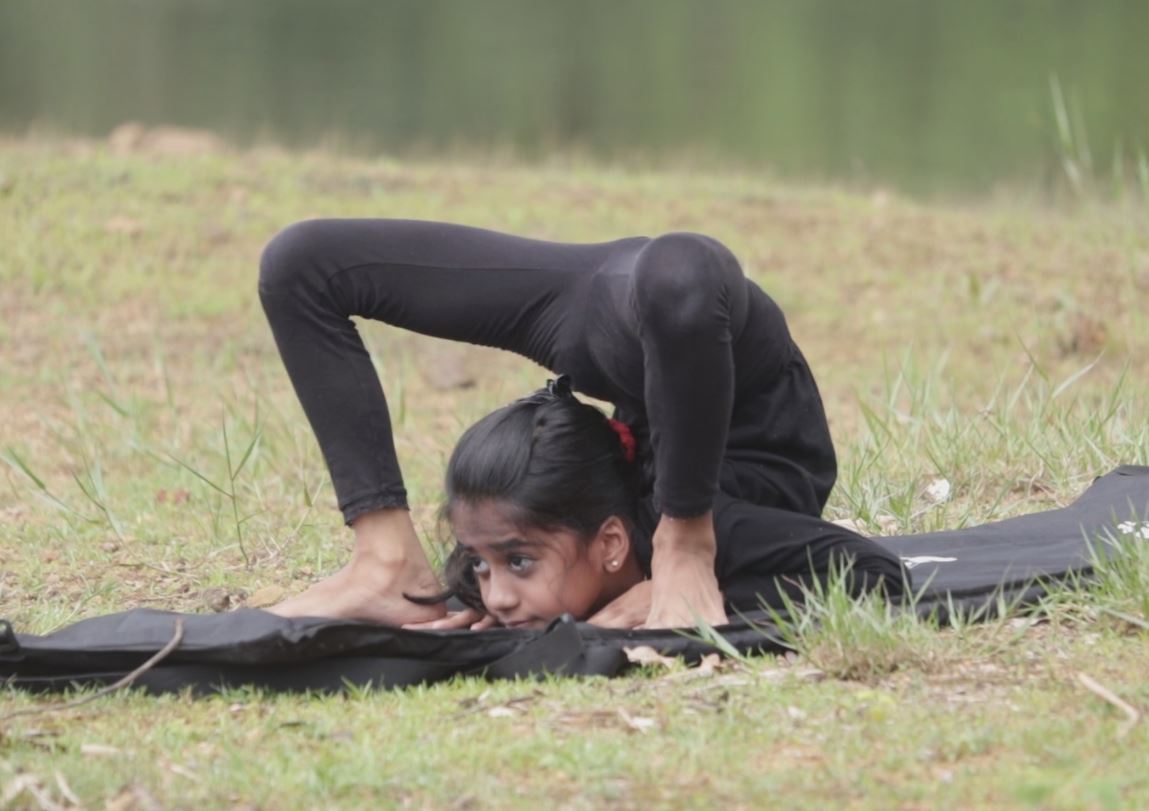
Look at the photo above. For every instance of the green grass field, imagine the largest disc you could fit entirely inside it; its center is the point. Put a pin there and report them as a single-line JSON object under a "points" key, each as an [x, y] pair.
{"points": [[1001, 346]]}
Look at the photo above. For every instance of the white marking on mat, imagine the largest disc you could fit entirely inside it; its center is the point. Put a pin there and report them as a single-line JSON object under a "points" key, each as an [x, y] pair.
{"points": [[920, 559]]}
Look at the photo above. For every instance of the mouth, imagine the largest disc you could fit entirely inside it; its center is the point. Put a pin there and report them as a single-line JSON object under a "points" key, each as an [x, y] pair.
{"points": [[520, 624]]}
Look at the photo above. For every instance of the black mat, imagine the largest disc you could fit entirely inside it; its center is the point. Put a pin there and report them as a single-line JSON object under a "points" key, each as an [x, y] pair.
{"points": [[1013, 561]]}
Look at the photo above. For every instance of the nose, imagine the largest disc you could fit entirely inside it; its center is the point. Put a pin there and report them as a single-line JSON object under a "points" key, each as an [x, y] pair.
{"points": [[501, 596]]}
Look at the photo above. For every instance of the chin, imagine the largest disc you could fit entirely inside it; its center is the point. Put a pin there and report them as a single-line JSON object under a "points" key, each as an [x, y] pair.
{"points": [[526, 624], [542, 622]]}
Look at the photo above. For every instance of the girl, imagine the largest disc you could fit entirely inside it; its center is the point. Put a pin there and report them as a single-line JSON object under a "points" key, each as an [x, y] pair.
{"points": [[545, 498], [697, 360]]}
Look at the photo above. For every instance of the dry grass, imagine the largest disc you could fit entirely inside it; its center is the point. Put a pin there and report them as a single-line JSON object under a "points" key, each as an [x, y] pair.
{"points": [[941, 336]]}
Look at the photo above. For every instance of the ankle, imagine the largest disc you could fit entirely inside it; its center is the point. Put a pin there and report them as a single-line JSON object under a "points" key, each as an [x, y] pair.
{"points": [[387, 539], [390, 521], [393, 569], [379, 562]]}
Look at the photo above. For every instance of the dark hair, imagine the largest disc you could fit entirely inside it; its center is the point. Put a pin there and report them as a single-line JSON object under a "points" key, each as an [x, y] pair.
{"points": [[554, 461]]}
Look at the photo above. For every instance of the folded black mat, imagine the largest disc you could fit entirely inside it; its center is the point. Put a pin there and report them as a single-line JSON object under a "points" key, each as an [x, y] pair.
{"points": [[1015, 560]]}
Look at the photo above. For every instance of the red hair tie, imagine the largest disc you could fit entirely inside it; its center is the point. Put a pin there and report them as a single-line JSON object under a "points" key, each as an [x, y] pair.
{"points": [[626, 437]]}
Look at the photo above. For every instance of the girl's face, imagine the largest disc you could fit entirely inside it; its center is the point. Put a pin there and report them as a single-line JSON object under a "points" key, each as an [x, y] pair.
{"points": [[527, 577]]}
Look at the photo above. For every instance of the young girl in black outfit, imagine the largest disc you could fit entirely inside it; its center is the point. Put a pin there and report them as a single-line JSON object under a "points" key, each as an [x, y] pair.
{"points": [[707, 383]]}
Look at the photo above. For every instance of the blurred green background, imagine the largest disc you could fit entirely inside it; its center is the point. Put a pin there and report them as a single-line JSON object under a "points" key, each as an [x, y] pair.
{"points": [[927, 96]]}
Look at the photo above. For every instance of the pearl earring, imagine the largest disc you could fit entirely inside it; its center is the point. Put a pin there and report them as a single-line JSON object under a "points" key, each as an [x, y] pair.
{"points": [[613, 564]]}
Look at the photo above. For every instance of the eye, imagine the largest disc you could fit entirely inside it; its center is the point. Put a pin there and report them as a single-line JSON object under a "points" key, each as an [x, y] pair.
{"points": [[479, 566], [519, 563]]}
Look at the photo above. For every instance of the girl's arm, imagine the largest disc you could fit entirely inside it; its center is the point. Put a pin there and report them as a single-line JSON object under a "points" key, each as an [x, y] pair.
{"points": [[688, 297]]}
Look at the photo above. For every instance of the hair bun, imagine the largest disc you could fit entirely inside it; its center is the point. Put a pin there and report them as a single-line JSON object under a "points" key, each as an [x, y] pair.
{"points": [[561, 387]]}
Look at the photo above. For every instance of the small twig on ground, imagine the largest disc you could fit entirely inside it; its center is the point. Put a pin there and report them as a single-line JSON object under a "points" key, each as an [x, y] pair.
{"points": [[32, 785], [1132, 714], [1129, 618], [119, 684], [131, 564], [66, 790]]}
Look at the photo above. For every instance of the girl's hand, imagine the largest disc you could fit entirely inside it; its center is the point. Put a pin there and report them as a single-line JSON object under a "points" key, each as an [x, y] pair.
{"points": [[628, 611], [685, 589], [456, 620]]}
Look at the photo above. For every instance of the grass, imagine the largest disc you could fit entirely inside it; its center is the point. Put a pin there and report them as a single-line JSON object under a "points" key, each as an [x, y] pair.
{"points": [[155, 456]]}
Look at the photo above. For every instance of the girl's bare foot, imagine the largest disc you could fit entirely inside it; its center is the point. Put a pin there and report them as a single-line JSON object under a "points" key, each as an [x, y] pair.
{"points": [[388, 562], [373, 593]]}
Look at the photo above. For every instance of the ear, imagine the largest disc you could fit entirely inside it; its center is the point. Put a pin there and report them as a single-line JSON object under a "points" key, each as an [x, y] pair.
{"points": [[611, 545]]}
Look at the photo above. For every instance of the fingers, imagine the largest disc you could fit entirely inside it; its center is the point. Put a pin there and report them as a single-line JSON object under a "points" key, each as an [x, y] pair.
{"points": [[467, 618], [627, 611], [486, 622], [678, 619], [617, 617], [682, 611], [683, 616], [606, 616], [602, 619]]}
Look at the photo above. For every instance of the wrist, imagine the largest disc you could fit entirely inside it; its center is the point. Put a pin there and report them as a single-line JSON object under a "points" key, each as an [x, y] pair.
{"points": [[671, 557], [693, 537]]}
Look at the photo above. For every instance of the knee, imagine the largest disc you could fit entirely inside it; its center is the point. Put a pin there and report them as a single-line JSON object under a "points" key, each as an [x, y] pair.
{"points": [[293, 257], [684, 280]]}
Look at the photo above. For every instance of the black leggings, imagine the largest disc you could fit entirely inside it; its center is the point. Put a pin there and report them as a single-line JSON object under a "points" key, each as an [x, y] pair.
{"points": [[538, 299], [765, 552]]}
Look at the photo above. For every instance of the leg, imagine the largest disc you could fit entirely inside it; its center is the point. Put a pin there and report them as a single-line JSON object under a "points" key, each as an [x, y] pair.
{"points": [[448, 281], [764, 552], [779, 452], [444, 280]]}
